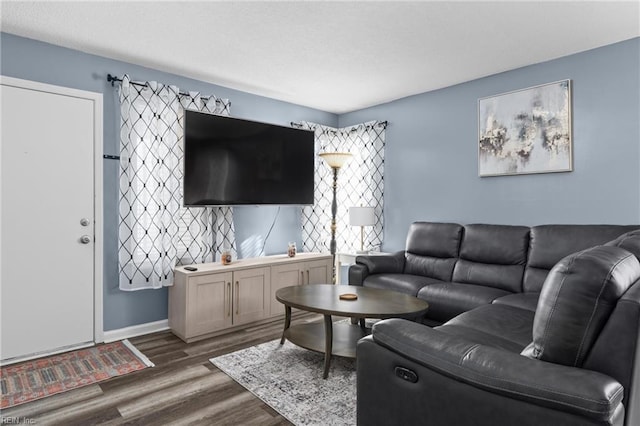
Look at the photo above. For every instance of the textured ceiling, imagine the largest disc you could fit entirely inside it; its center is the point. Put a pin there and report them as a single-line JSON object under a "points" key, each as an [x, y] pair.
{"points": [[334, 56]]}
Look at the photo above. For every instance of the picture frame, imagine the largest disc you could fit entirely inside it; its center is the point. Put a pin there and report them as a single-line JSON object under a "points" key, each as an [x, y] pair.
{"points": [[526, 131]]}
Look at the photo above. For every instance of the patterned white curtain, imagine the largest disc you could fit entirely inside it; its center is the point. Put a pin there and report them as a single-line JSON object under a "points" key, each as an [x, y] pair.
{"points": [[155, 232], [360, 183]]}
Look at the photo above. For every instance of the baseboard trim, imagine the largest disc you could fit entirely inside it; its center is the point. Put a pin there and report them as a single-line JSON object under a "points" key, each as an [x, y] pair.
{"points": [[135, 330], [44, 354]]}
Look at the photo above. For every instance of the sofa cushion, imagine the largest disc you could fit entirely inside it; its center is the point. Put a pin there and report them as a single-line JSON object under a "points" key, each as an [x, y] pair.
{"points": [[493, 255], [434, 239], [501, 326], [528, 301], [404, 283], [576, 300], [432, 249], [432, 267], [447, 300], [505, 277], [550, 243]]}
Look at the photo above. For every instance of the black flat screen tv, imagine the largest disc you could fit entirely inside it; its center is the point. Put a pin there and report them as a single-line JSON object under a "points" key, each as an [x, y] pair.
{"points": [[230, 161]]}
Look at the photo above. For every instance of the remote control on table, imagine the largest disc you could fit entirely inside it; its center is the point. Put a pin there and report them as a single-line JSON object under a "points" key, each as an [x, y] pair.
{"points": [[190, 268]]}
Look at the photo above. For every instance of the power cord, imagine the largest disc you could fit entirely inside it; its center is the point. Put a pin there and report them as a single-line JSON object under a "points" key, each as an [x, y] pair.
{"points": [[270, 229]]}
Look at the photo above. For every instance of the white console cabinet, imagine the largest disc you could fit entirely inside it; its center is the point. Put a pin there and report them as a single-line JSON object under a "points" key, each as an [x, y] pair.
{"points": [[216, 298]]}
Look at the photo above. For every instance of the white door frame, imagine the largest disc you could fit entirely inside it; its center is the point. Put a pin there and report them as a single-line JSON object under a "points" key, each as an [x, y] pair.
{"points": [[96, 98]]}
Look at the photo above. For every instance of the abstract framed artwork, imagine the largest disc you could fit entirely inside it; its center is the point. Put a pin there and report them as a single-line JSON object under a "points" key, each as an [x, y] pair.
{"points": [[526, 131]]}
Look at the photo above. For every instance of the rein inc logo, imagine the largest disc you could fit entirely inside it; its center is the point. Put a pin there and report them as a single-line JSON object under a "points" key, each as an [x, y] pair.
{"points": [[16, 420]]}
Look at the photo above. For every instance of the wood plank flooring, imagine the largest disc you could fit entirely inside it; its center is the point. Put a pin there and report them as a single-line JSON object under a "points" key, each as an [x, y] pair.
{"points": [[184, 388]]}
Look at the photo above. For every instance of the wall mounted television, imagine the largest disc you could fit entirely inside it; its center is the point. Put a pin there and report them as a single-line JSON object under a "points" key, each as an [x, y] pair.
{"points": [[231, 161]]}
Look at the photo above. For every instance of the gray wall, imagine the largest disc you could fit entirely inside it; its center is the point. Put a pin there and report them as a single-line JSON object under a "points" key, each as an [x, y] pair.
{"points": [[431, 170], [33, 60]]}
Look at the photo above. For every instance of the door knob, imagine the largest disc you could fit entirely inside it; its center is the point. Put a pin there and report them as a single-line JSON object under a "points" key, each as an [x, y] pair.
{"points": [[85, 239], [84, 221]]}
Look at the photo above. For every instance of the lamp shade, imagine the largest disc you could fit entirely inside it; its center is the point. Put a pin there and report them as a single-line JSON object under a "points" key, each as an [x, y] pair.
{"points": [[335, 160], [362, 216]]}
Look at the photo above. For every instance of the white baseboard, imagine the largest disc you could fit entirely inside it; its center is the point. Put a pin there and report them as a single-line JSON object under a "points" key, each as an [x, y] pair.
{"points": [[135, 330], [43, 354]]}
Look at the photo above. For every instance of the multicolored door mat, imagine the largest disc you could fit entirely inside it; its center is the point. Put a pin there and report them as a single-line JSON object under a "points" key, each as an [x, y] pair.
{"points": [[35, 379]]}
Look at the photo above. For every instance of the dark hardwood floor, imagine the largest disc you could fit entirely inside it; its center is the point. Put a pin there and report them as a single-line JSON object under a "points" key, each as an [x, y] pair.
{"points": [[183, 388]]}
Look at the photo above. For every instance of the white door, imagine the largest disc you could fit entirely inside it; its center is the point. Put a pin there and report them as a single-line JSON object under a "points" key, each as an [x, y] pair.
{"points": [[48, 219]]}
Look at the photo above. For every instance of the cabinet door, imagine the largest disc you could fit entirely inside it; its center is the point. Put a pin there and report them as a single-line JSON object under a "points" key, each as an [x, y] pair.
{"points": [[251, 295], [209, 303], [318, 272], [284, 275]]}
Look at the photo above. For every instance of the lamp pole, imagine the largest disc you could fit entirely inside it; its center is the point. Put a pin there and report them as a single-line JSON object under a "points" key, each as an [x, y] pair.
{"points": [[334, 212], [335, 160]]}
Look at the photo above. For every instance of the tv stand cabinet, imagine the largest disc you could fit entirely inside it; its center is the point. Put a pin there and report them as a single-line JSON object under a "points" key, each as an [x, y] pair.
{"points": [[218, 298]]}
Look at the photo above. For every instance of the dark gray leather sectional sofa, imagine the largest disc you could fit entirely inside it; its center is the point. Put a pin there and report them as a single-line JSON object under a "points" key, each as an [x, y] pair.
{"points": [[528, 326]]}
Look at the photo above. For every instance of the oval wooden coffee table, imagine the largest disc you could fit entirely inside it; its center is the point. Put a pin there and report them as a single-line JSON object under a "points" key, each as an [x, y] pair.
{"points": [[340, 339]]}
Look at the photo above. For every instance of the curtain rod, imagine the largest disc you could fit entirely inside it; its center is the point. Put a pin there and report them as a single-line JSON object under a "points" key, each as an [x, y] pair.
{"points": [[113, 79], [352, 129]]}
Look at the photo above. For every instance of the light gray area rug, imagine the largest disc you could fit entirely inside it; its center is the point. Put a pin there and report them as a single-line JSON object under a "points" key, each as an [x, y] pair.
{"points": [[289, 379]]}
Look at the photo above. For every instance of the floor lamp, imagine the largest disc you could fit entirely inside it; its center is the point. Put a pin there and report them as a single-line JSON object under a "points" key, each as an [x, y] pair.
{"points": [[335, 160]]}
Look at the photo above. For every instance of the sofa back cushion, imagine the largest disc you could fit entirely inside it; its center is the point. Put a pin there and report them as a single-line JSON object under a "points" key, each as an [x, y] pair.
{"points": [[629, 241], [493, 255], [576, 301], [550, 243], [432, 249]]}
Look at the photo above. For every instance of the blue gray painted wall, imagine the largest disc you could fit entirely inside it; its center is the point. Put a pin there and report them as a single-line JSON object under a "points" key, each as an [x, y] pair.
{"points": [[431, 170], [33, 60]]}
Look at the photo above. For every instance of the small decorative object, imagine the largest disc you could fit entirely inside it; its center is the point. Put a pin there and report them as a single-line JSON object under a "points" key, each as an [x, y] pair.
{"points": [[362, 216], [349, 296], [335, 160], [526, 131], [291, 251], [226, 256]]}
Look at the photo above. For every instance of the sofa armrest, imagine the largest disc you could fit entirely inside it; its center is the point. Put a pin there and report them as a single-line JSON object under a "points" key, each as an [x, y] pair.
{"points": [[377, 264], [383, 264], [583, 392], [357, 274]]}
